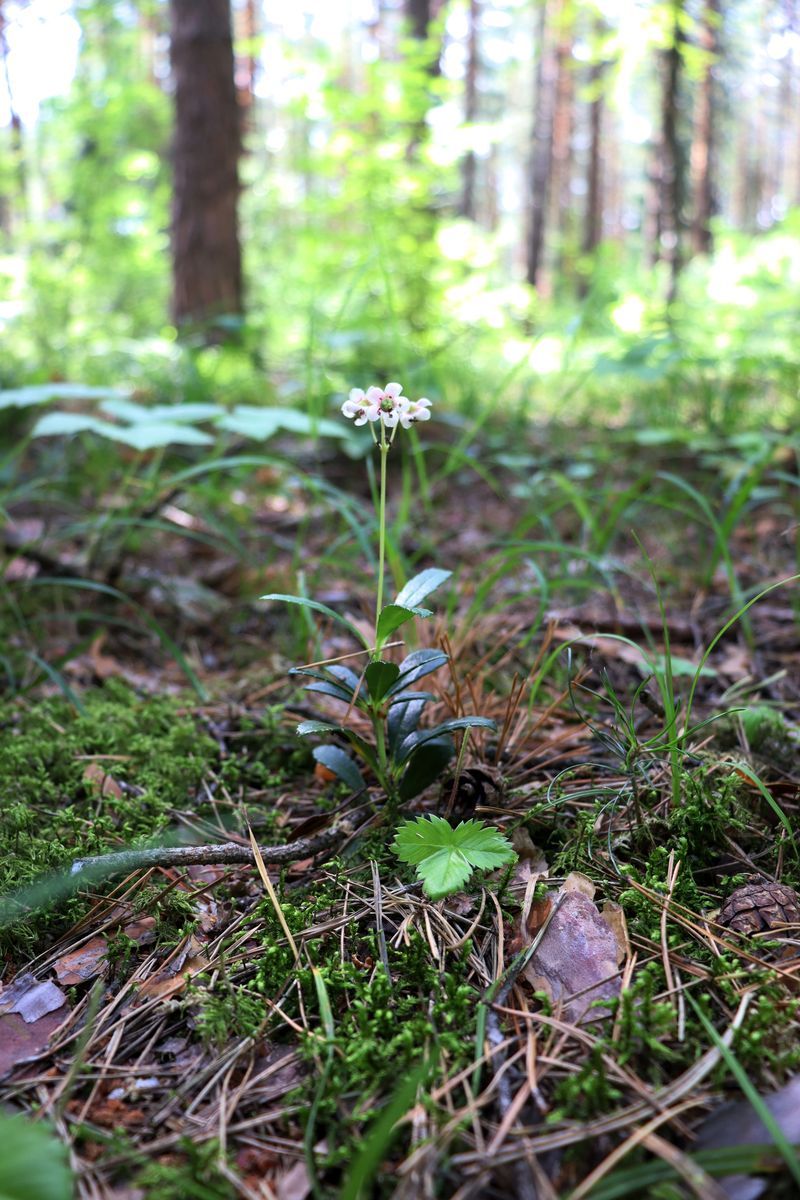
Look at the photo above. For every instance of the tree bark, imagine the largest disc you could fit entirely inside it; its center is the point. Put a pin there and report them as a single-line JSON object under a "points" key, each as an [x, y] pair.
{"points": [[16, 142], [593, 216], [542, 143], [672, 165], [470, 164], [206, 255], [702, 152]]}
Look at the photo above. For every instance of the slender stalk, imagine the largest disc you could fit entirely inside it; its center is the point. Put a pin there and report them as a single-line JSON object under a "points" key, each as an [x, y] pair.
{"points": [[384, 448]]}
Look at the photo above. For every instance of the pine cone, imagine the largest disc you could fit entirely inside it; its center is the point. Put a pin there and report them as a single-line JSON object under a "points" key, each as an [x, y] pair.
{"points": [[760, 906]]}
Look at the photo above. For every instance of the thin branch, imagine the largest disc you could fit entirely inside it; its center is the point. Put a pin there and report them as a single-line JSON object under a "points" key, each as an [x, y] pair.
{"points": [[190, 856]]}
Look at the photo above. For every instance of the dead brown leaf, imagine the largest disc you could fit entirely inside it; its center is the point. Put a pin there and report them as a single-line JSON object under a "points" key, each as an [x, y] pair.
{"points": [[577, 960], [99, 781], [82, 964]]}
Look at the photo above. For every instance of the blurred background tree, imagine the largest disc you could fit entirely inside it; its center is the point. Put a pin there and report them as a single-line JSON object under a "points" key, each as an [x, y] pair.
{"points": [[443, 187]]}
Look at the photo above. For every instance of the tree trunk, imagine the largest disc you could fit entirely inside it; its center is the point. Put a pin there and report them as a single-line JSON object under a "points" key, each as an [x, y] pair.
{"points": [[593, 216], [9, 203], [560, 216], [419, 15], [542, 143], [470, 164], [702, 153], [672, 165], [206, 256]]}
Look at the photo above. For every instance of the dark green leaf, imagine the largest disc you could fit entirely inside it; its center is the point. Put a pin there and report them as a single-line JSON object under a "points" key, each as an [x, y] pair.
{"points": [[410, 743], [380, 676], [425, 767], [341, 764], [34, 1164], [421, 586], [418, 664], [395, 615]]}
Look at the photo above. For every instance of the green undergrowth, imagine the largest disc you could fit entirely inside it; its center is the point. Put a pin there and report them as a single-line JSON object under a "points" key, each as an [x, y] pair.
{"points": [[115, 775]]}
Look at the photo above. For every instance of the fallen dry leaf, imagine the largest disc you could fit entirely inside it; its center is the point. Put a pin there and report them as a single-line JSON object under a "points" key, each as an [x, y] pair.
{"points": [[740, 1125], [31, 998], [20, 1041], [82, 964], [99, 781], [577, 961]]}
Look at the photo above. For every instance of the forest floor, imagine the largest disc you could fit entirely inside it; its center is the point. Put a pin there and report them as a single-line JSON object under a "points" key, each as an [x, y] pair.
{"points": [[204, 1031]]}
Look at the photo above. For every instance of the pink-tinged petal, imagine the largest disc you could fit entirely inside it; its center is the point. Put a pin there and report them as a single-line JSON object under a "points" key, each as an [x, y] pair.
{"points": [[356, 395], [406, 420], [361, 419], [349, 409], [422, 414], [424, 401], [374, 395], [389, 419], [393, 390], [372, 412]]}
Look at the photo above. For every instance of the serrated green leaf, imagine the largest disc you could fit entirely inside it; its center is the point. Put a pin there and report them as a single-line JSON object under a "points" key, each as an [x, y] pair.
{"points": [[444, 872], [380, 676], [395, 615], [444, 857], [420, 586], [34, 1164], [323, 608], [341, 764]]}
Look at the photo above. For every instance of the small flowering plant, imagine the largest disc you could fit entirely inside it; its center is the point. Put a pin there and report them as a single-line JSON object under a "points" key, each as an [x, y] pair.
{"points": [[403, 756]]}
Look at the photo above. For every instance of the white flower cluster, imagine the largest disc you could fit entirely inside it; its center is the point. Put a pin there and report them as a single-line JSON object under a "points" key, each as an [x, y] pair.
{"points": [[387, 405]]}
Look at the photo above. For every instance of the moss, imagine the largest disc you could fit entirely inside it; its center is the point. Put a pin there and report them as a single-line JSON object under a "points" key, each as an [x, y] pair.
{"points": [[51, 808]]}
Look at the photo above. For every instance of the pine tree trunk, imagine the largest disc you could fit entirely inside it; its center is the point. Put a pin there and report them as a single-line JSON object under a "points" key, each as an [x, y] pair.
{"points": [[12, 205], [593, 216], [542, 144], [672, 165], [470, 164], [702, 153], [560, 216], [206, 255]]}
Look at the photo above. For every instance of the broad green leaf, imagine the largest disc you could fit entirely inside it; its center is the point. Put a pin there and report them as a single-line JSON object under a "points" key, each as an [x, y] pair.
{"points": [[41, 393], [403, 718], [250, 421], [414, 740], [324, 687], [61, 424], [153, 436], [306, 728], [421, 586], [380, 676], [339, 676], [425, 767], [418, 664], [341, 764], [34, 1164], [323, 608], [395, 615], [142, 414]]}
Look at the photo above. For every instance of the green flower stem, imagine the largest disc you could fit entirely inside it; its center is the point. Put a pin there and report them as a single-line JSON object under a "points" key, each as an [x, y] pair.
{"points": [[384, 448]]}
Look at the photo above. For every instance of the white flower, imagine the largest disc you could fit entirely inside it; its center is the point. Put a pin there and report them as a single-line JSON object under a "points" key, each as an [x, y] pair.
{"points": [[387, 405], [392, 404], [415, 410], [363, 406]]}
